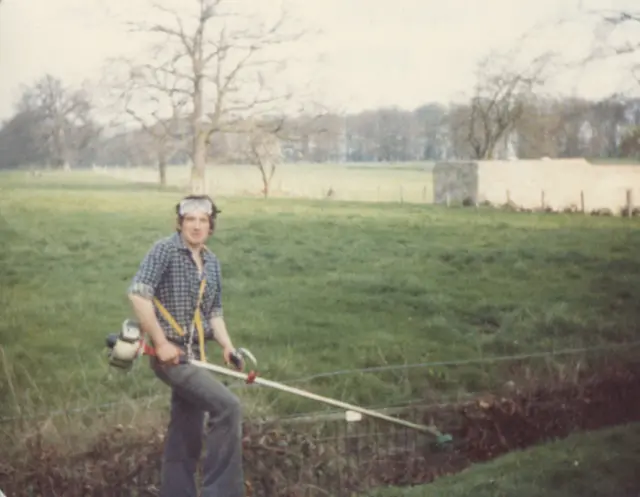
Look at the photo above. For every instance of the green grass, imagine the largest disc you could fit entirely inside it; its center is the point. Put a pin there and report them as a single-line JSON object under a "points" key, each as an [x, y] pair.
{"points": [[309, 287], [598, 464], [382, 182], [614, 161]]}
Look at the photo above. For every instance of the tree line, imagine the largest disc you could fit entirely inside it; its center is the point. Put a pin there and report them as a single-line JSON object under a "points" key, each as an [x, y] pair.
{"points": [[208, 89], [54, 127]]}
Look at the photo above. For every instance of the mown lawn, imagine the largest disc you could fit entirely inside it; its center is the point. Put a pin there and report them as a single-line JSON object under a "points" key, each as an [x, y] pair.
{"points": [[598, 464], [309, 286]]}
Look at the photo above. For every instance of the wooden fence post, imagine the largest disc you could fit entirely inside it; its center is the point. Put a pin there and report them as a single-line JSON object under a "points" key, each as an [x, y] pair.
{"points": [[629, 202], [582, 208], [542, 202]]}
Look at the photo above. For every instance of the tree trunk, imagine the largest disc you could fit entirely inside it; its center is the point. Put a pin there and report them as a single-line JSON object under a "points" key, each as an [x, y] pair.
{"points": [[60, 149], [265, 182], [199, 153], [198, 170], [162, 169], [266, 178]]}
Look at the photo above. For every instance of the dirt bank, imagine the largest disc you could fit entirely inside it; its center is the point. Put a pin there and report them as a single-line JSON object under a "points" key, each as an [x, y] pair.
{"points": [[297, 460]]}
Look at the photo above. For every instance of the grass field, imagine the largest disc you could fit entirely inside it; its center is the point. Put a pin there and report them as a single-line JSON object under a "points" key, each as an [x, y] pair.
{"points": [[309, 286], [387, 182], [599, 464]]}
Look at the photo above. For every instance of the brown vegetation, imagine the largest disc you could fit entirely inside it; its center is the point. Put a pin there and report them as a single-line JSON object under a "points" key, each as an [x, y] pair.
{"points": [[300, 459]]}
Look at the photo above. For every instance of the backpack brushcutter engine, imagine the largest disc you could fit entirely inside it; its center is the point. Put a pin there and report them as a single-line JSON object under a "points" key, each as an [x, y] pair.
{"points": [[125, 347]]}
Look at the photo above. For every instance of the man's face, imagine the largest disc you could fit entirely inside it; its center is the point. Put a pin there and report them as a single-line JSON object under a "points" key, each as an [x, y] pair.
{"points": [[195, 227]]}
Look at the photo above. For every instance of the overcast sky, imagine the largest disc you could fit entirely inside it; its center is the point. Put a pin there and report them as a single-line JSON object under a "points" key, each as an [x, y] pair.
{"points": [[374, 52]]}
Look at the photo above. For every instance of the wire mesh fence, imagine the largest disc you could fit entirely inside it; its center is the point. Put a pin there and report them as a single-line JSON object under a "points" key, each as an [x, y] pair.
{"points": [[340, 459], [300, 457], [319, 457], [325, 455]]}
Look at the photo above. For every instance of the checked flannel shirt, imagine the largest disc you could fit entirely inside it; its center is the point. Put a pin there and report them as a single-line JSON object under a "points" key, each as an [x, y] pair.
{"points": [[169, 273]]}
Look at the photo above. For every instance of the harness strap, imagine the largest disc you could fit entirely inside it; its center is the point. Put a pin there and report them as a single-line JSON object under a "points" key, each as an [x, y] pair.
{"points": [[197, 319]]}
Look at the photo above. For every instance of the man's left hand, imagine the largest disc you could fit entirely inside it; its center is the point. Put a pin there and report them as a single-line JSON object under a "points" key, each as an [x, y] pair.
{"points": [[227, 354]]}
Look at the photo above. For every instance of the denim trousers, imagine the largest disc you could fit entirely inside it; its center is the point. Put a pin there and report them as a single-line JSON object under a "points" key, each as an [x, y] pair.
{"points": [[196, 392]]}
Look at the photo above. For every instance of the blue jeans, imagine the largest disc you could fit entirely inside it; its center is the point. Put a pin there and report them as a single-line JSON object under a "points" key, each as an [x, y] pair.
{"points": [[196, 392]]}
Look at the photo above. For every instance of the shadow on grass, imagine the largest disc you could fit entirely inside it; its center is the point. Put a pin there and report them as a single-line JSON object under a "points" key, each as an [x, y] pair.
{"points": [[80, 180], [96, 186]]}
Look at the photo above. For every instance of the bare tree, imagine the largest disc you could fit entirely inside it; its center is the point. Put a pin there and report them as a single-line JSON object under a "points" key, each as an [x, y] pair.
{"points": [[65, 125], [630, 144], [260, 141], [152, 99], [432, 136], [501, 94], [19, 141], [263, 150], [536, 130], [218, 59], [626, 24], [616, 35]]}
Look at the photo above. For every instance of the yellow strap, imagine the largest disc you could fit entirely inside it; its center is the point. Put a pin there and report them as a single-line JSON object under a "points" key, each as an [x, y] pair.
{"points": [[198, 322], [197, 319], [168, 317]]}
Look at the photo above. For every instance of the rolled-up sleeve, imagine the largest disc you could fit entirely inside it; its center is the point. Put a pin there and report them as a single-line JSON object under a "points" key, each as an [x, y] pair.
{"points": [[216, 307], [150, 271]]}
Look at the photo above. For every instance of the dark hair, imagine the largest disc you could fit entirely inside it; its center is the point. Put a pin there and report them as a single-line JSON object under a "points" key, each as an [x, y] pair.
{"points": [[212, 217]]}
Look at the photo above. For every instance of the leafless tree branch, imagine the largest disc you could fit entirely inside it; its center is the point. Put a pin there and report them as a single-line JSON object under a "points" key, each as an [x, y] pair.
{"points": [[501, 93], [221, 60]]}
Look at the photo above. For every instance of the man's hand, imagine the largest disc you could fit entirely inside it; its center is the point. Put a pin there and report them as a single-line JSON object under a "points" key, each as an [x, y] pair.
{"points": [[221, 336], [168, 354], [227, 352]]}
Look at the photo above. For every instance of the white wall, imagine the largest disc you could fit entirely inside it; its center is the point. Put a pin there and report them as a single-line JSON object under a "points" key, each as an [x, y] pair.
{"points": [[604, 186]]}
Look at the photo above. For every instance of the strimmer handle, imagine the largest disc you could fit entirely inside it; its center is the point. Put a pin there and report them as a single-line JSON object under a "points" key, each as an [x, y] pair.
{"points": [[146, 349]]}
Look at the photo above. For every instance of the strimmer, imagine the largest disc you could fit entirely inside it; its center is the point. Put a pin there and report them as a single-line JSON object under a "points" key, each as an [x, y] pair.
{"points": [[127, 346]]}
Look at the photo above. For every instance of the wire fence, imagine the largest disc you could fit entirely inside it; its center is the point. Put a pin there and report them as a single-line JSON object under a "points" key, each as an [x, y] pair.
{"points": [[322, 454], [342, 459], [150, 400]]}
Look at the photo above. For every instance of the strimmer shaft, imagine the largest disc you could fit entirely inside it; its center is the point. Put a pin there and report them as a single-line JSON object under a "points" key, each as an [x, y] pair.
{"points": [[326, 400]]}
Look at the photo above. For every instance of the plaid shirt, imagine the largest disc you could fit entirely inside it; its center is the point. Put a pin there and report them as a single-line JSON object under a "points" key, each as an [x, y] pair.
{"points": [[169, 273]]}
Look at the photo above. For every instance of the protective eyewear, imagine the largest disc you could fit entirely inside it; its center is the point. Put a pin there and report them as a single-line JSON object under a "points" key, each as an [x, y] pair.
{"points": [[191, 205]]}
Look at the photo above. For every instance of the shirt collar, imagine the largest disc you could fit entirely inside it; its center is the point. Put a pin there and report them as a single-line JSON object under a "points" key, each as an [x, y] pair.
{"points": [[177, 240]]}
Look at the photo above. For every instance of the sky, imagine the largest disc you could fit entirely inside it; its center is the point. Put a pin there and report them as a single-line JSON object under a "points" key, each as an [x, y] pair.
{"points": [[369, 53]]}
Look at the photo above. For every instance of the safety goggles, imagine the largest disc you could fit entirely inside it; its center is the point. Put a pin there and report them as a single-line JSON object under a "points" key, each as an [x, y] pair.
{"points": [[192, 205]]}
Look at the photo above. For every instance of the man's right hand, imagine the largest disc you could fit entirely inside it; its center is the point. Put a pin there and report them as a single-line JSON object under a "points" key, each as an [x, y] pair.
{"points": [[168, 354]]}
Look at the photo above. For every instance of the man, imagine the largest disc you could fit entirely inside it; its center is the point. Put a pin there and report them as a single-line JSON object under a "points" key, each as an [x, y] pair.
{"points": [[170, 276]]}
